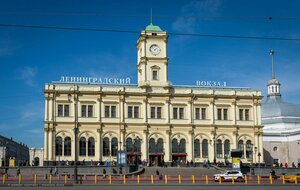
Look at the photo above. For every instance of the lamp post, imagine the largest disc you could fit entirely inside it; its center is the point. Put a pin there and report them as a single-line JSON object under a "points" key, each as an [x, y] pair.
{"points": [[75, 132]]}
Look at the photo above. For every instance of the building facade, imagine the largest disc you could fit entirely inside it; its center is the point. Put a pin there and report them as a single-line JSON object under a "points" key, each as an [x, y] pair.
{"points": [[36, 156], [18, 153], [153, 121], [281, 120]]}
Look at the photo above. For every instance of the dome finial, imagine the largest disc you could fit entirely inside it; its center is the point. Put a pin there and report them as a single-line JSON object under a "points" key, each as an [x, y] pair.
{"points": [[272, 54]]}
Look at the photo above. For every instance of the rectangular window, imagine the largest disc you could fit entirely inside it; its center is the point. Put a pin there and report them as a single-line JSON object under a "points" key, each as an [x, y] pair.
{"points": [[90, 111], [219, 114], [154, 75], [225, 114], [152, 112], [129, 111], [222, 114], [107, 108], [136, 112], [110, 111], [200, 113], [155, 112], [175, 113], [113, 111], [67, 110], [83, 111], [181, 113], [241, 114], [247, 114], [203, 113], [158, 114], [60, 110], [197, 113]]}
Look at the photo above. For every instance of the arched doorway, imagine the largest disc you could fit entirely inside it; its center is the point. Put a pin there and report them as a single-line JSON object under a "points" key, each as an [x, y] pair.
{"points": [[156, 152], [178, 152]]}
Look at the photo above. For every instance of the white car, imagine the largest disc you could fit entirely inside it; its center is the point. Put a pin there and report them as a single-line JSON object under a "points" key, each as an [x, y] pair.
{"points": [[227, 176]]}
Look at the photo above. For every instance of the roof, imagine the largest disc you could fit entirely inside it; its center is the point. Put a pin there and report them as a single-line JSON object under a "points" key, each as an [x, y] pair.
{"points": [[152, 27], [275, 110]]}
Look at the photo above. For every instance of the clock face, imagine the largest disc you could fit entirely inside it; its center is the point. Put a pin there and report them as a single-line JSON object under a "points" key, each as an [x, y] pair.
{"points": [[154, 49]]}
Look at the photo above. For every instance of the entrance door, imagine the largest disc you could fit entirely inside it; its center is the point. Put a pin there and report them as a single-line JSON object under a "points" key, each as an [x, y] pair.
{"points": [[179, 160], [156, 160]]}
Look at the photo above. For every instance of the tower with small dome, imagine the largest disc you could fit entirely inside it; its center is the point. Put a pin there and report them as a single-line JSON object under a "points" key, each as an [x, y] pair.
{"points": [[281, 120]]}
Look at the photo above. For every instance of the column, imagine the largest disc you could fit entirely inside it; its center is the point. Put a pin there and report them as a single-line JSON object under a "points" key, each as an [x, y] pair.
{"points": [[98, 145], [168, 111], [122, 110], [145, 146], [190, 112], [50, 133], [234, 112], [50, 109], [212, 111], [167, 146], [46, 145], [190, 151], [145, 110]]}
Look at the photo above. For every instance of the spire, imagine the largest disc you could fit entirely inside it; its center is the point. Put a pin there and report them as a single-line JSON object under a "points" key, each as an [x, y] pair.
{"points": [[151, 17], [152, 27], [273, 84], [272, 54]]}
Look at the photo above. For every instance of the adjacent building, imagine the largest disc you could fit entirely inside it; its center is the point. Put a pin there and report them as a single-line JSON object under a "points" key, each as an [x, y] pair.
{"points": [[13, 153], [36, 156], [153, 121], [281, 122]]}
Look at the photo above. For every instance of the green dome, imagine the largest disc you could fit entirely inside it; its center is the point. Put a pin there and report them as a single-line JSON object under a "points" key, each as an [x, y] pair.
{"points": [[152, 27]]}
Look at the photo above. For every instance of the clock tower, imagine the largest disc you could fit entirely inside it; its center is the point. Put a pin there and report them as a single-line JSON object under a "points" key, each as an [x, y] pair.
{"points": [[152, 63]]}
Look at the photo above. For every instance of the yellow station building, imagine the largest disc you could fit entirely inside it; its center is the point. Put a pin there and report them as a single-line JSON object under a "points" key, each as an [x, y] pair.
{"points": [[154, 121]]}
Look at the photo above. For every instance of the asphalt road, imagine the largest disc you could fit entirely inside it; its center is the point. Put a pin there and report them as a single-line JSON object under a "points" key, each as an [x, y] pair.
{"points": [[161, 187]]}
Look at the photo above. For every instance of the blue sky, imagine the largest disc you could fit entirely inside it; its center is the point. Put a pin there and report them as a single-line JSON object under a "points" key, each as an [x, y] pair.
{"points": [[29, 57]]}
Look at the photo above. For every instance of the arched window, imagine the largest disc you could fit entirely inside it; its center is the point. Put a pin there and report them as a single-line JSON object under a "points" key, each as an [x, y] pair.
{"points": [[67, 146], [174, 146], [82, 146], [152, 148], [205, 148], [249, 149], [137, 145], [219, 149], [91, 146], [129, 145], [241, 147], [114, 146], [160, 145], [226, 148], [182, 146], [196, 148], [106, 146], [58, 146]]}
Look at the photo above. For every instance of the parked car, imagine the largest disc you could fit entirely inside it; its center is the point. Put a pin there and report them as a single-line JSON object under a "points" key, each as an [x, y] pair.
{"points": [[227, 176], [292, 178]]}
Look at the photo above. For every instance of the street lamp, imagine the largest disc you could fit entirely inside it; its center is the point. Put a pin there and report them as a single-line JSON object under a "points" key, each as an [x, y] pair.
{"points": [[75, 132]]}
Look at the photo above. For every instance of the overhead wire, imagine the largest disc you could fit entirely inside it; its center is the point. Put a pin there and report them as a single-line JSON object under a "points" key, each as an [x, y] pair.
{"points": [[135, 32]]}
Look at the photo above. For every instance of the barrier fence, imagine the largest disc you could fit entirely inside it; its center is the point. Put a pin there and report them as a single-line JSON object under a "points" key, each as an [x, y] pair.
{"points": [[166, 179]]}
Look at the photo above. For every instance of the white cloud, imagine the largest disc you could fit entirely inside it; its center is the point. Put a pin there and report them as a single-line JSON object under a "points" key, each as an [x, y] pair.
{"points": [[28, 75], [195, 9]]}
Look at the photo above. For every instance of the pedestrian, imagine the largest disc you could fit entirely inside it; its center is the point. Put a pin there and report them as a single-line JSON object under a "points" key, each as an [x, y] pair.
{"points": [[55, 171], [157, 172], [18, 172], [286, 165], [51, 170], [104, 173]]}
